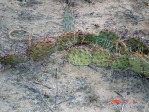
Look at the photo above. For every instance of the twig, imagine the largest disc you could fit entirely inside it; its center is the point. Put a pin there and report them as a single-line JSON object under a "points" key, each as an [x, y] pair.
{"points": [[123, 101], [144, 84], [145, 108], [29, 38], [36, 82], [94, 67], [64, 101], [43, 98], [56, 89]]}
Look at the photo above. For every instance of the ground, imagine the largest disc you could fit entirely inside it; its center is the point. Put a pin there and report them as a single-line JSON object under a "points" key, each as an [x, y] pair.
{"points": [[54, 84]]}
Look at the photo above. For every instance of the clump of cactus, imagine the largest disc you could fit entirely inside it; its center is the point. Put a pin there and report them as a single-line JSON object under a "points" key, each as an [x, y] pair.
{"points": [[12, 60], [104, 39], [139, 65], [135, 45], [80, 57], [120, 62], [40, 50], [105, 49], [101, 58]]}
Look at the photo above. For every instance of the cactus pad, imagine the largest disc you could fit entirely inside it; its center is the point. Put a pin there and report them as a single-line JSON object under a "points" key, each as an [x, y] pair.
{"points": [[118, 47], [68, 20], [40, 50], [12, 59], [101, 58], [104, 39], [139, 65], [68, 39], [80, 57], [120, 62], [135, 45]]}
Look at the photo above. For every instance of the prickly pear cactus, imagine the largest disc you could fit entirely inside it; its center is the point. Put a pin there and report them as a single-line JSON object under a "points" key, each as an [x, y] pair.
{"points": [[12, 59], [80, 57], [101, 58], [68, 20], [135, 45], [104, 39], [40, 50], [120, 62], [139, 65]]}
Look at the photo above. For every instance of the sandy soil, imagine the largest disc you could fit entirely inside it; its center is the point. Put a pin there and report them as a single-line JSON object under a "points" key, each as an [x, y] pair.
{"points": [[54, 84]]}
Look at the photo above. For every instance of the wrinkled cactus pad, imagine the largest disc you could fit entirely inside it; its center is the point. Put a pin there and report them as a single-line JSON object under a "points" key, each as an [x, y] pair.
{"points": [[104, 39], [135, 45], [12, 59], [40, 50], [101, 58], [80, 57], [139, 65], [68, 39], [120, 62], [118, 47]]}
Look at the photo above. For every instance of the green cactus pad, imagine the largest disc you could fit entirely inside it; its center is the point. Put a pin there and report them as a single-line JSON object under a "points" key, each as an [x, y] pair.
{"points": [[80, 57], [119, 47], [40, 50], [139, 65], [120, 62], [68, 20], [104, 39], [135, 45], [12, 59], [101, 58], [68, 43], [67, 40]]}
